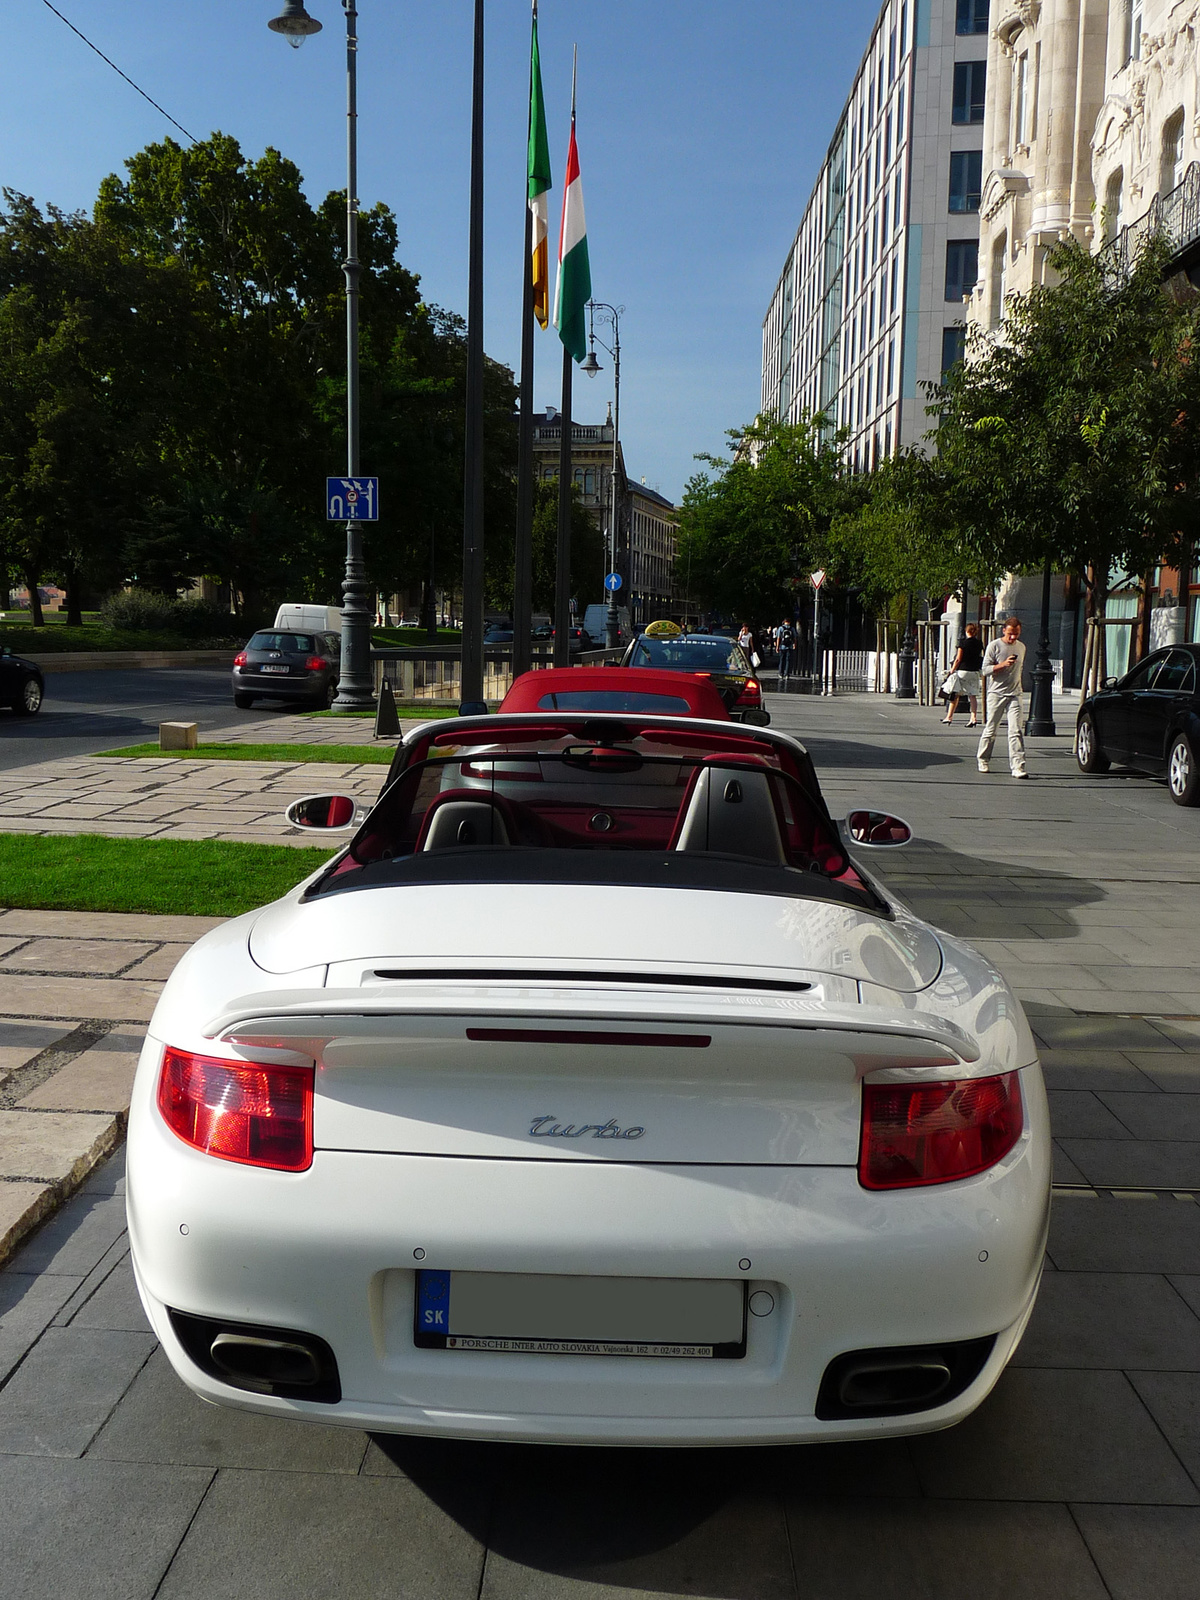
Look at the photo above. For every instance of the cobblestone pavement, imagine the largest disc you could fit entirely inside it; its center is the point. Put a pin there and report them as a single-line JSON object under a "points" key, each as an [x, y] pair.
{"points": [[1078, 1479]]}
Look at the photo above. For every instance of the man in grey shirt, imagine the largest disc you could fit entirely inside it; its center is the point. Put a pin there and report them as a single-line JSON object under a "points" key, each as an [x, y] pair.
{"points": [[1003, 663]]}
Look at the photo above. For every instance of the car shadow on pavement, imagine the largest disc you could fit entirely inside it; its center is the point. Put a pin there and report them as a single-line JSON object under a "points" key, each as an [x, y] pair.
{"points": [[977, 897], [682, 1519], [833, 755]]}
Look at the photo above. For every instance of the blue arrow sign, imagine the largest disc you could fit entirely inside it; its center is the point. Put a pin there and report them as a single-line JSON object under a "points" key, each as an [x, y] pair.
{"points": [[352, 499], [613, 582]]}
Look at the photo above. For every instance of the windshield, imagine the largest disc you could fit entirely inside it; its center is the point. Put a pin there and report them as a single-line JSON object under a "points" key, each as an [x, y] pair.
{"points": [[593, 803], [293, 643], [690, 655]]}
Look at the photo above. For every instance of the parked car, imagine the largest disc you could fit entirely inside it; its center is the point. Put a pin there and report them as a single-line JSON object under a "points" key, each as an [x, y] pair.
{"points": [[1148, 720], [721, 659], [21, 683], [497, 635], [578, 640], [671, 694], [597, 1041], [278, 664]]}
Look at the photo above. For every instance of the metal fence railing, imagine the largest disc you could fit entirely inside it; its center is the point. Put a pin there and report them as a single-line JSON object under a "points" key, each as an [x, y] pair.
{"points": [[1174, 216], [434, 675]]}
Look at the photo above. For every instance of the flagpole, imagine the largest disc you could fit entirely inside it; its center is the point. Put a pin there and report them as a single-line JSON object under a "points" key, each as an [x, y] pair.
{"points": [[562, 585], [472, 578], [522, 650]]}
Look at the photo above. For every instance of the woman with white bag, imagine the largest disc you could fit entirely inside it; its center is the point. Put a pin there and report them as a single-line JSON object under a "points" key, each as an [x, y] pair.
{"points": [[965, 675]]}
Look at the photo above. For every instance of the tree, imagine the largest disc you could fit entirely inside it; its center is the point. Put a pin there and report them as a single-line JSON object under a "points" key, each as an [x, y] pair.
{"points": [[1068, 437], [749, 526]]}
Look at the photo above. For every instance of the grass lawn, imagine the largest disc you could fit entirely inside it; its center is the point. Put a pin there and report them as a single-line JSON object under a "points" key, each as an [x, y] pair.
{"points": [[413, 638], [57, 639], [367, 755], [176, 877]]}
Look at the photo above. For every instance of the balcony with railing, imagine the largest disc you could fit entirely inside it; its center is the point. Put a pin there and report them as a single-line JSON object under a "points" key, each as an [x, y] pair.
{"points": [[1174, 216]]}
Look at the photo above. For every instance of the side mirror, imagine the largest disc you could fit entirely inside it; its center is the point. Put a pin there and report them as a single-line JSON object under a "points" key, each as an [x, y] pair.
{"points": [[473, 708], [877, 828], [328, 811], [1110, 683]]}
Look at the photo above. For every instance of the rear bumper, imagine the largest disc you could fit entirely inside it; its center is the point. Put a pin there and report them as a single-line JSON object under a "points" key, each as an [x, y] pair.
{"points": [[333, 1252], [308, 687]]}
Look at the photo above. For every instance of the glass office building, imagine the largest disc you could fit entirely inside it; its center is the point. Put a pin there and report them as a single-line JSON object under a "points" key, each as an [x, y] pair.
{"points": [[869, 307]]}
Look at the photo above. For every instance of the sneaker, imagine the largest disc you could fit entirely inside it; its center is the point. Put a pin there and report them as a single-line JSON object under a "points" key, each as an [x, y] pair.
{"points": [[1020, 774], [983, 766]]}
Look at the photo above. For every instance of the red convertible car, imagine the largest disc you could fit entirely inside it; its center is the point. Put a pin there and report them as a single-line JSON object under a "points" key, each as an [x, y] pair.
{"points": [[624, 690]]}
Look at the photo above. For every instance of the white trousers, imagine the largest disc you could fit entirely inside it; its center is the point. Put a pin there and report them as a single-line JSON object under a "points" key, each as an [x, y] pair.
{"points": [[1001, 705]]}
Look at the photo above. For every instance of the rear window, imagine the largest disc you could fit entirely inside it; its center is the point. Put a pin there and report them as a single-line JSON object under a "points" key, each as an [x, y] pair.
{"points": [[292, 643], [689, 655], [613, 700]]}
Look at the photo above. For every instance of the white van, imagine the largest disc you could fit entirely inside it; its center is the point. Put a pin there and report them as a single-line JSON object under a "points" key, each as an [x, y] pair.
{"points": [[595, 624], [297, 616]]}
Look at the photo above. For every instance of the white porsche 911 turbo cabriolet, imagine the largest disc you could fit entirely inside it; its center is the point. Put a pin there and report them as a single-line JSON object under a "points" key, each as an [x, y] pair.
{"points": [[594, 1093]]}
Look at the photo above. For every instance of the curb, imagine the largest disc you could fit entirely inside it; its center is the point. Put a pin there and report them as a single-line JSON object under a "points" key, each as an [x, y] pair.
{"points": [[46, 1198]]}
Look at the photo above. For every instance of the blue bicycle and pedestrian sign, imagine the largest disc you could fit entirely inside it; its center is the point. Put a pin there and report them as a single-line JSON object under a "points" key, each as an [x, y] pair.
{"points": [[613, 582], [352, 499]]}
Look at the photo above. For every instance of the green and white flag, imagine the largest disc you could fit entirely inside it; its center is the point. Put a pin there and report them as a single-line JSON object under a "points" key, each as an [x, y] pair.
{"points": [[539, 184], [574, 270]]}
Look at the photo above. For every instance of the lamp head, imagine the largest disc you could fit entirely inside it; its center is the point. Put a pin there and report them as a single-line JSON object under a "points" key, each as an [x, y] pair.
{"points": [[591, 366], [294, 23]]}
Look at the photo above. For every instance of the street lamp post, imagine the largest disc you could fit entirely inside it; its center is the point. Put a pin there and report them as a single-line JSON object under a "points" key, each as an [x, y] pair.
{"points": [[1041, 695], [356, 689], [906, 660], [591, 366]]}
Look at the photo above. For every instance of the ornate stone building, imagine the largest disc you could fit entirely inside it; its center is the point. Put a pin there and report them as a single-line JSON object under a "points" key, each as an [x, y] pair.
{"points": [[1090, 123]]}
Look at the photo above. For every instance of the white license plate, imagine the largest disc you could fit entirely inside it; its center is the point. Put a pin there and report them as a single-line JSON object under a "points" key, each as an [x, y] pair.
{"points": [[273, 669], [552, 1314]]}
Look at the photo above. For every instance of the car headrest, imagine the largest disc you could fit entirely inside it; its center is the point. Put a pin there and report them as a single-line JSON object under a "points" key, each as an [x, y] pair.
{"points": [[731, 811]]}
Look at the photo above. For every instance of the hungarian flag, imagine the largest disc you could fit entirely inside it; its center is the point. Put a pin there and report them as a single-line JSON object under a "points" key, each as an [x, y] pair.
{"points": [[539, 184], [574, 271]]}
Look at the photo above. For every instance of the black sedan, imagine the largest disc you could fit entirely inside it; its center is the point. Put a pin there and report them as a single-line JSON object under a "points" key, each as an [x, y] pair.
{"points": [[1150, 720], [280, 665], [711, 655], [21, 683]]}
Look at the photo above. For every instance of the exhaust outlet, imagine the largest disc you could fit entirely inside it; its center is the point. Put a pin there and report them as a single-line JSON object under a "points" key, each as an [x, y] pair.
{"points": [[904, 1379], [868, 1385], [253, 1361], [283, 1362]]}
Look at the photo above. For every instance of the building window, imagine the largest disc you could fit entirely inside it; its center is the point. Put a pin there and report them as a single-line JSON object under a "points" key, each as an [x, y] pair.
{"points": [[1171, 168], [970, 78], [972, 17], [1021, 101], [962, 267], [998, 285], [1112, 205], [966, 179], [954, 344], [1133, 30]]}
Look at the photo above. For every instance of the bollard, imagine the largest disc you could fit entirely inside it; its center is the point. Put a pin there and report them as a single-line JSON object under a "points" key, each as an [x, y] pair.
{"points": [[177, 736]]}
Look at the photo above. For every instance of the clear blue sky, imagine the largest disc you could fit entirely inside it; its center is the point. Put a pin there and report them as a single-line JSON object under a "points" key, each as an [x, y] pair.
{"points": [[701, 126]]}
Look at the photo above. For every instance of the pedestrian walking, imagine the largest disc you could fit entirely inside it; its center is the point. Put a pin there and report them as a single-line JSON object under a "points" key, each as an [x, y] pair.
{"points": [[785, 644], [745, 638], [1003, 663], [964, 675]]}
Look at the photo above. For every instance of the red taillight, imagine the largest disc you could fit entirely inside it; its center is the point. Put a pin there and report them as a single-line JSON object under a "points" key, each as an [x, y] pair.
{"points": [[239, 660], [244, 1111], [751, 694], [315, 664], [935, 1132]]}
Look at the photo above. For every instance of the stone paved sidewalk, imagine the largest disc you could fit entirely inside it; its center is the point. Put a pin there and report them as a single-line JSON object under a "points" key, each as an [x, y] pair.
{"points": [[76, 991], [160, 798]]}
